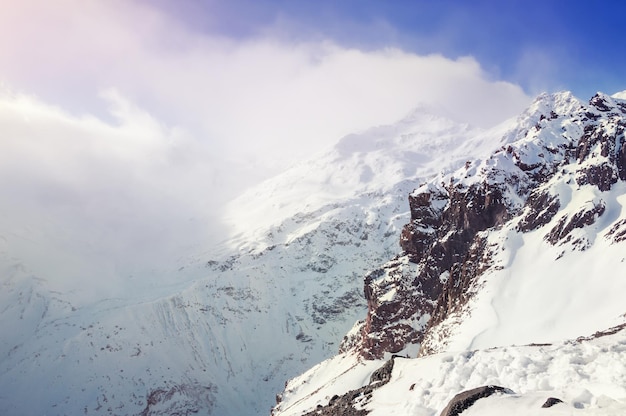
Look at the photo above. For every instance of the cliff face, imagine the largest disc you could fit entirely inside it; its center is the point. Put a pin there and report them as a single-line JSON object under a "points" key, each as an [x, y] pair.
{"points": [[559, 148]]}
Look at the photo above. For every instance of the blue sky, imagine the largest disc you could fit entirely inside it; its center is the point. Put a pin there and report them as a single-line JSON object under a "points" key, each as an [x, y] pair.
{"points": [[541, 45]]}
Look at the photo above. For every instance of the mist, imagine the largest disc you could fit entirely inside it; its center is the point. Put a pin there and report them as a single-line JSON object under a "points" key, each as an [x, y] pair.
{"points": [[123, 133]]}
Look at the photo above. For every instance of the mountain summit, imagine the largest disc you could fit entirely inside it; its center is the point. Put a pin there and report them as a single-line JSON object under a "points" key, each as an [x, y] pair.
{"points": [[521, 246]]}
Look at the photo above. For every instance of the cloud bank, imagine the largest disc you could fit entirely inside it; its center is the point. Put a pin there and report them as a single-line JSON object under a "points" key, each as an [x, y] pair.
{"points": [[123, 132]]}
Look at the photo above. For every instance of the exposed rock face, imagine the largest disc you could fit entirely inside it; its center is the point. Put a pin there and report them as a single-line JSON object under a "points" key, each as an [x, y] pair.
{"points": [[558, 141], [618, 232], [442, 240], [586, 216]]}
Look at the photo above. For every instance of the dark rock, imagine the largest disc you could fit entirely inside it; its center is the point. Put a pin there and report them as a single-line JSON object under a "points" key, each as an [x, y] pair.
{"points": [[604, 333], [585, 217], [466, 399], [617, 232], [599, 102], [541, 209], [444, 225], [420, 233], [603, 176], [457, 290], [384, 329], [383, 374], [607, 141], [551, 401], [179, 399]]}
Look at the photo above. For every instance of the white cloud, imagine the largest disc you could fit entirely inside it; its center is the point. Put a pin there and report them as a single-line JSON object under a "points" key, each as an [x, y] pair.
{"points": [[87, 203], [156, 125], [257, 99]]}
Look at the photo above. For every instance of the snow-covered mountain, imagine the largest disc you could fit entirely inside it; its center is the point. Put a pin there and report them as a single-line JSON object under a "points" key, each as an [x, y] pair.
{"points": [[510, 236], [521, 246], [276, 299]]}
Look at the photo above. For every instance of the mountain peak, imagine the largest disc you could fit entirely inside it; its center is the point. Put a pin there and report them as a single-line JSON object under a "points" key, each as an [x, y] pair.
{"points": [[620, 95]]}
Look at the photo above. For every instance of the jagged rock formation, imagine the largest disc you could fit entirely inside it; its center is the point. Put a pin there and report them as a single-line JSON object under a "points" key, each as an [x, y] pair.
{"points": [[559, 142]]}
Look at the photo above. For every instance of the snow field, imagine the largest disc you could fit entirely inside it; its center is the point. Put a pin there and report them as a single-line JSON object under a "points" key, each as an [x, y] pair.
{"points": [[589, 376]]}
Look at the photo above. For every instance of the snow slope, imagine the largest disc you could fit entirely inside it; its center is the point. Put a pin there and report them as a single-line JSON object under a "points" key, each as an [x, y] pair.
{"points": [[219, 332], [545, 284], [588, 375]]}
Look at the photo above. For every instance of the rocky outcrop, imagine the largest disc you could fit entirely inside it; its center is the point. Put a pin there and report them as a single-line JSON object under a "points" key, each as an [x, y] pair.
{"points": [[617, 232], [587, 215], [542, 207], [551, 401], [466, 399], [559, 142], [442, 243]]}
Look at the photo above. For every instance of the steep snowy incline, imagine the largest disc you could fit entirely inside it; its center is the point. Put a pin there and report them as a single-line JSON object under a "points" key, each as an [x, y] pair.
{"points": [[223, 332]]}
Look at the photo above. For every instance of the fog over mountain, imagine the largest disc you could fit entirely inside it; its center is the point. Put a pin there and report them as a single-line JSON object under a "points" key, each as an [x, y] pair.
{"points": [[202, 201], [220, 330]]}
